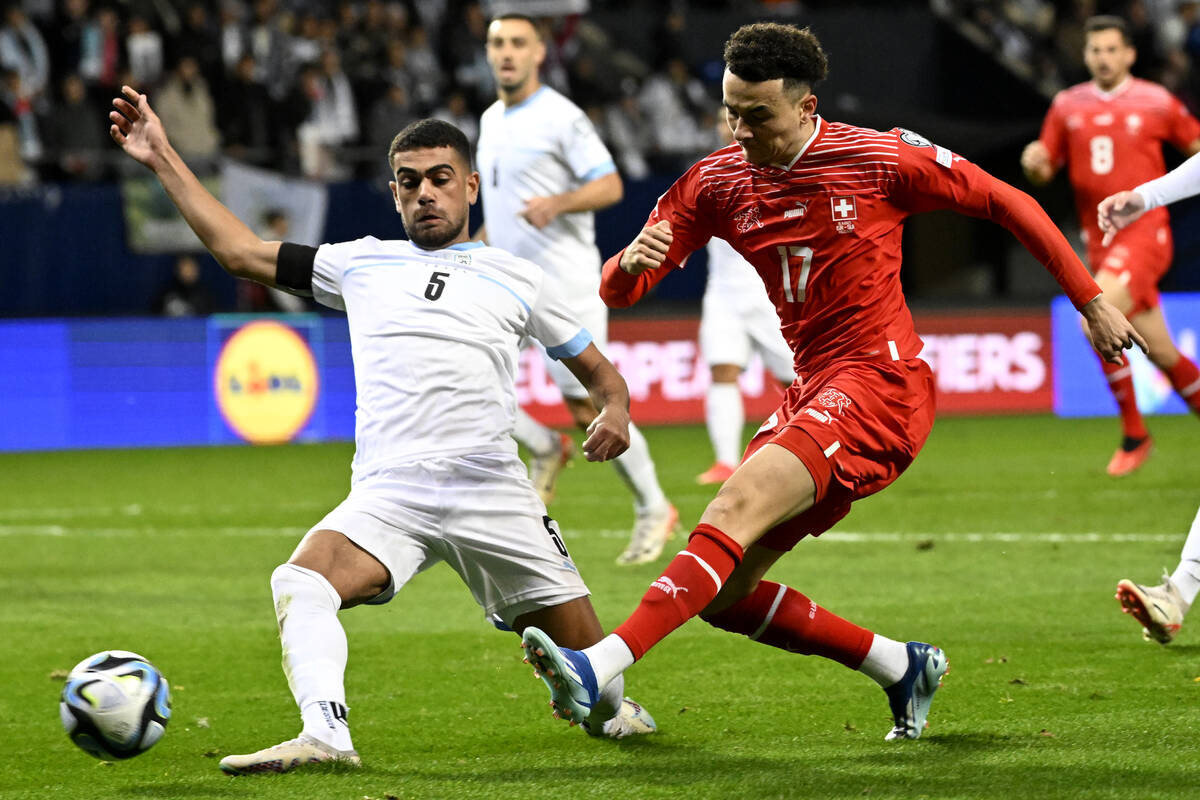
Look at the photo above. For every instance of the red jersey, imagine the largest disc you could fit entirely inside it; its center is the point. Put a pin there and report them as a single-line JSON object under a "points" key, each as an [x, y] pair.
{"points": [[1112, 141], [824, 234]]}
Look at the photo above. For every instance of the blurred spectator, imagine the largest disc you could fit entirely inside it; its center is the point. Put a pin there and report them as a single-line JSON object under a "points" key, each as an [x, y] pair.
{"points": [[458, 112], [199, 37], [464, 37], [184, 295], [232, 34], [66, 36], [76, 140], [144, 50], [186, 107], [100, 55], [332, 123], [391, 113], [396, 71], [421, 60], [18, 106], [23, 49], [255, 297], [673, 102], [248, 122], [625, 131], [270, 47]]}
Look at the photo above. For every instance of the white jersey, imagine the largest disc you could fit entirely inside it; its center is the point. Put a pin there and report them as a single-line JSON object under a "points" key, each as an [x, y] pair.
{"points": [[542, 146], [734, 280], [434, 335]]}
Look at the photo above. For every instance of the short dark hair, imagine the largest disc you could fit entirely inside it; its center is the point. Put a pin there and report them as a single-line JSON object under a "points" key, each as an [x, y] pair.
{"points": [[425, 133], [764, 51], [533, 23], [1108, 22]]}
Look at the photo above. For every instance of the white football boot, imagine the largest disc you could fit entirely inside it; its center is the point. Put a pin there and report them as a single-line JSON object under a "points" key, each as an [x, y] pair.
{"points": [[287, 756]]}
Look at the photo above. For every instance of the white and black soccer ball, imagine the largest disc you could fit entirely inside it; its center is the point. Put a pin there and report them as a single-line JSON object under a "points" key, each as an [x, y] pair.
{"points": [[115, 705]]}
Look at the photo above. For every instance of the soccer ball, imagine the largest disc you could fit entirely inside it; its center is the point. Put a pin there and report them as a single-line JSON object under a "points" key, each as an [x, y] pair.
{"points": [[115, 705]]}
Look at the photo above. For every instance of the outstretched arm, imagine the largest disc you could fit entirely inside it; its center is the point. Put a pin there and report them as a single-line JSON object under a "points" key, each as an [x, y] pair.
{"points": [[631, 273], [608, 435], [139, 132], [1124, 208]]}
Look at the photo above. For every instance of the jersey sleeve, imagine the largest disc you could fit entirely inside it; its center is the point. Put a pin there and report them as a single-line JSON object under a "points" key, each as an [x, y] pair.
{"points": [[1054, 133], [328, 268], [689, 212], [552, 322], [931, 178], [1182, 127], [584, 151]]}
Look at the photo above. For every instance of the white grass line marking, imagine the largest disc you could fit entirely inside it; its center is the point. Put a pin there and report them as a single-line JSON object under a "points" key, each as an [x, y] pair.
{"points": [[138, 510], [81, 531]]}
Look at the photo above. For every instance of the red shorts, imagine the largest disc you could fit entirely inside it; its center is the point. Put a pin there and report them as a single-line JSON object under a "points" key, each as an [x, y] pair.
{"points": [[856, 427], [1140, 256]]}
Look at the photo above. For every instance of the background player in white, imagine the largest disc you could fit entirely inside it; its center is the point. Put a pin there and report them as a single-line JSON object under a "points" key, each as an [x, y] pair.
{"points": [[435, 324], [737, 320], [545, 171], [1160, 609]]}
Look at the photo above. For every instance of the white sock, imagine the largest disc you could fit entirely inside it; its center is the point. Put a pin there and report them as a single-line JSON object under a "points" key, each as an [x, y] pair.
{"points": [[1186, 576], [314, 650], [536, 437], [636, 468], [609, 657], [725, 417], [609, 703], [886, 661]]}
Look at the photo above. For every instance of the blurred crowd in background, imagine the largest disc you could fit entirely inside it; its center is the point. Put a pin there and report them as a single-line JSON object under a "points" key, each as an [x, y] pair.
{"points": [[319, 88], [1041, 41]]}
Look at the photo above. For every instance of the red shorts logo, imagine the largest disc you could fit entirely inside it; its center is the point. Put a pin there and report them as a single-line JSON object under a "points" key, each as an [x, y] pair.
{"points": [[834, 400]]}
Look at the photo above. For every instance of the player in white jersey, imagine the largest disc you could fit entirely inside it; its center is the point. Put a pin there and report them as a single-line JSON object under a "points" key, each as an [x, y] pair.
{"points": [[1159, 609], [435, 325], [545, 171], [737, 320]]}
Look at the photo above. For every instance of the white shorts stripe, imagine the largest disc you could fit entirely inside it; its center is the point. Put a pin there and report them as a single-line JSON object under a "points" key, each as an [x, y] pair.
{"points": [[770, 614], [893, 351], [833, 448], [712, 573]]}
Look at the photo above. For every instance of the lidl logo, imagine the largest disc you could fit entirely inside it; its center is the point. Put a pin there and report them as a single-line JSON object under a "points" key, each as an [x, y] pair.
{"points": [[266, 382]]}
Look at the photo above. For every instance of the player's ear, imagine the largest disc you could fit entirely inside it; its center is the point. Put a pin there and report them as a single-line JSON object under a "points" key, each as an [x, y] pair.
{"points": [[473, 187], [395, 187]]}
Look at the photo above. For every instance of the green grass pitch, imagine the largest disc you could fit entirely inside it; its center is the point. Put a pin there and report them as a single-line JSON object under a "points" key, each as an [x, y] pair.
{"points": [[1002, 545]]}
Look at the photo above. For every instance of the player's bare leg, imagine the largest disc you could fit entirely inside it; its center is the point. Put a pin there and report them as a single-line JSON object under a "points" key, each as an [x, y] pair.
{"points": [[1136, 442], [655, 518], [574, 624], [327, 572]]}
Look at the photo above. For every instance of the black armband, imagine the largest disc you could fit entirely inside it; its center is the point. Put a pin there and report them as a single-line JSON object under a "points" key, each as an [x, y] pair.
{"points": [[294, 268]]}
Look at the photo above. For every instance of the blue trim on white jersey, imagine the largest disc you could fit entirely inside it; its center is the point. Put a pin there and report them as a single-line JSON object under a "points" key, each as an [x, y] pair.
{"points": [[365, 266], [599, 171], [578, 343], [540, 90], [466, 245], [520, 299]]}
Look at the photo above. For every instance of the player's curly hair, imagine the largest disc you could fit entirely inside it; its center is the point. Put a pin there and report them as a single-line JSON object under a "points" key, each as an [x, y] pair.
{"points": [[430, 133], [764, 51]]}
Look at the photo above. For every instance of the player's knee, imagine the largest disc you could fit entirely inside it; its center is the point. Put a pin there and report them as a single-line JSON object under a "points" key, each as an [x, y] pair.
{"points": [[290, 583]]}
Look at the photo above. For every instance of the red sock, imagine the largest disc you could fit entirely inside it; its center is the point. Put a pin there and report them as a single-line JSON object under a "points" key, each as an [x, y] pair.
{"points": [[1185, 377], [1120, 383], [689, 583], [782, 617]]}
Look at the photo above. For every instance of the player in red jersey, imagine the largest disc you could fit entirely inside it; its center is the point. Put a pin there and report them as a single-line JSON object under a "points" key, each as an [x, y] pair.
{"points": [[818, 209], [1109, 133]]}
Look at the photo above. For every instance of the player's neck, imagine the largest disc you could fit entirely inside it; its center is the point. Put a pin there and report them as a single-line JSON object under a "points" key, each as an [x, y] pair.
{"points": [[1113, 87], [803, 138], [511, 97]]}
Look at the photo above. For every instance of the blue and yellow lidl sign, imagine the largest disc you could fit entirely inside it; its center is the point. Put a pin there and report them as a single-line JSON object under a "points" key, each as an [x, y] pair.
{"points": [[266, 382]]}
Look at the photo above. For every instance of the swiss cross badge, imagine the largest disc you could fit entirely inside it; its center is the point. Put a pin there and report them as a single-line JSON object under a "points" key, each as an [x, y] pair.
{"points": [[845, 211]]}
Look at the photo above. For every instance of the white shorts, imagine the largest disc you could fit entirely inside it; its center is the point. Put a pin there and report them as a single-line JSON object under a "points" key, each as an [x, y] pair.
{"points": [[730, 333], [594, 317], [480, 514]]}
